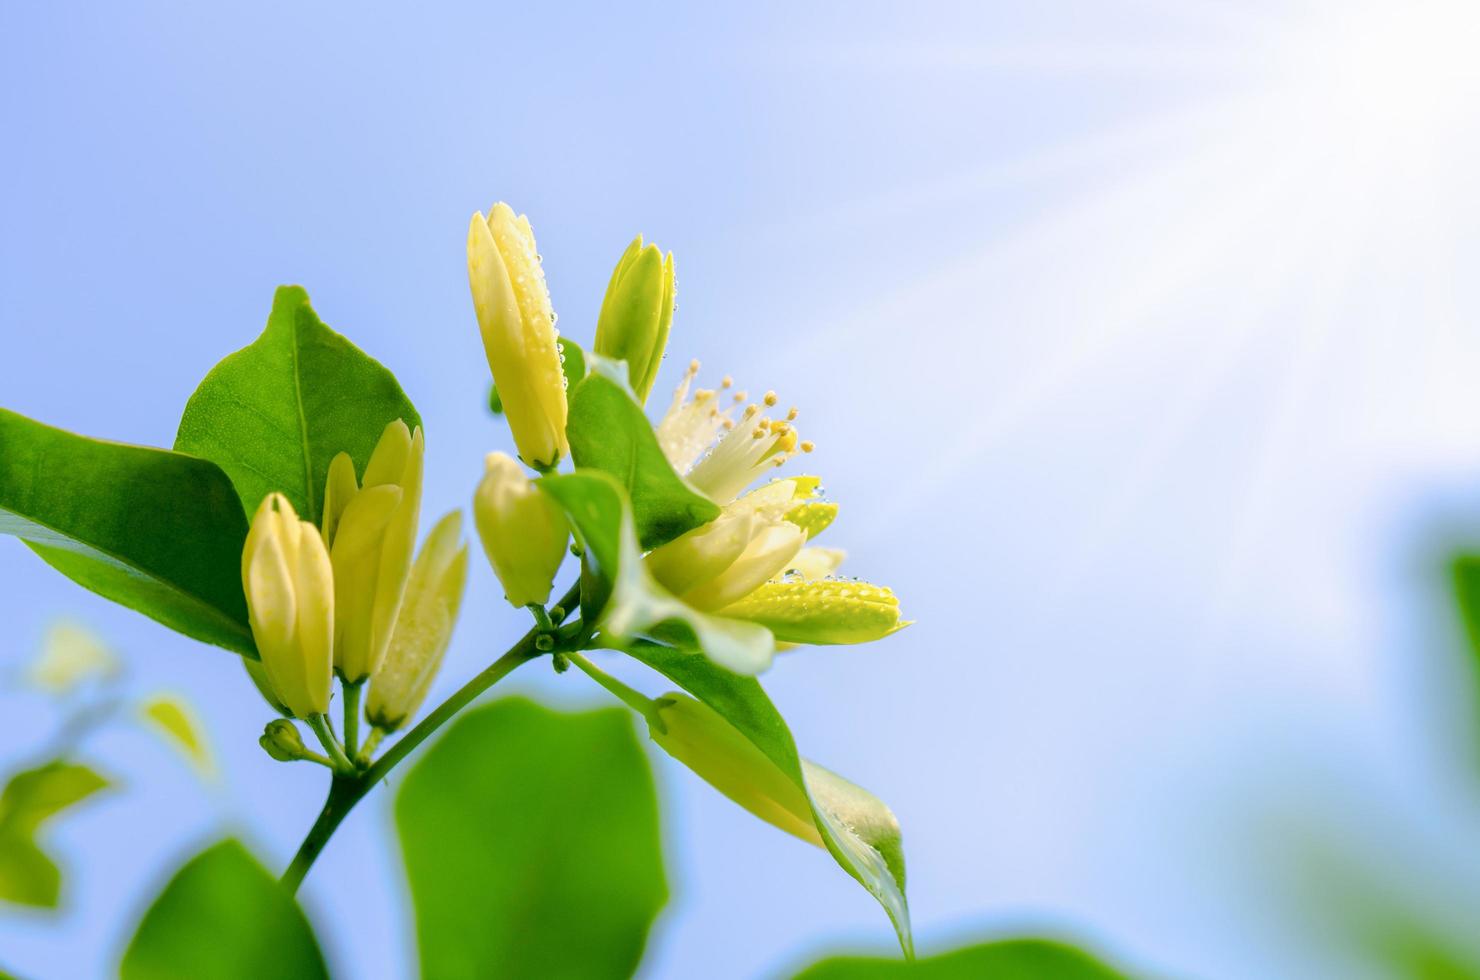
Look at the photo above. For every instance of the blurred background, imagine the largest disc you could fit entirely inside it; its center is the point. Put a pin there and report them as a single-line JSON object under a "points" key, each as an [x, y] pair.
{"points": [[1138, 339]]}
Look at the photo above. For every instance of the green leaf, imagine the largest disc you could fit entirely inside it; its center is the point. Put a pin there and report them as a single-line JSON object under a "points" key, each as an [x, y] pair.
{"points": [[223, 917], [532, 845], [857, 829], [619, 595], [157, 531], [608, 431], [1009, 959], [276, 412], [572, 363], [32, 797]]}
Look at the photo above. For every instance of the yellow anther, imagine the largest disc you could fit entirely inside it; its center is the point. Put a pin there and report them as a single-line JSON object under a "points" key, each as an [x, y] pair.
{"points": [[727, 382], [694, 366], [771, 398], [728, 423], [808, 446], [759, 433], [791, 414], [750, 411], [740, 396]]}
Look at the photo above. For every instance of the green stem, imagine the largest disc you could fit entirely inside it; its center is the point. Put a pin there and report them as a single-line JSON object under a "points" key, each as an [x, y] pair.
{"points": [[636, 700], [352, 717], [346, 791], [367, 751], [320, 725]]}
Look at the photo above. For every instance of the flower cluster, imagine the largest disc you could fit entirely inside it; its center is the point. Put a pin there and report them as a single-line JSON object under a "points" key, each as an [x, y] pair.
{"points": [[345, 598], [752, 562]]}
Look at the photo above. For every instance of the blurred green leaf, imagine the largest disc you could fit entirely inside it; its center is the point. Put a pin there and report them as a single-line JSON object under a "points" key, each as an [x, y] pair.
{"points": [[27, 874], [276, 412], [223, 917], [857, 829], [72, 657], [157, 531], [1011, 959], [608, 431], [618, 593], [171, 716], [532, 845]]}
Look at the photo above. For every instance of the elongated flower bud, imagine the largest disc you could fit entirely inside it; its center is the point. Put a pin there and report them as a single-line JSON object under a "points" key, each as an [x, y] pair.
{"points": [[823, 612], [696, 735], [637, 313], [518, 326], [715, 565], [289, 584], [371, 530], [524, 532], [433, 595]]}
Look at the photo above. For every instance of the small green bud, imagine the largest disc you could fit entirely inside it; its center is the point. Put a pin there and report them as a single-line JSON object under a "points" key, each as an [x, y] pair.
{"points": [[280, 740], [637, 313]]}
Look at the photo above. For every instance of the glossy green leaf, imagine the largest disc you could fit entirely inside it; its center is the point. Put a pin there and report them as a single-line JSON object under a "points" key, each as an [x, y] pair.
{"points": [[619, 595], [28, 875], [275, 413], [157, 531], [1009, 959], [857, 829], [223, 917], [608, 431], [572, 363], [532, 845]]}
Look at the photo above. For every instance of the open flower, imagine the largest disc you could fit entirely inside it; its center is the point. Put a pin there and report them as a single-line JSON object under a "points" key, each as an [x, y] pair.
{"points": [[519, 337], [371, 532], [424, 627], [289, 584], [746, 442], [750, 562], [750, 543]]}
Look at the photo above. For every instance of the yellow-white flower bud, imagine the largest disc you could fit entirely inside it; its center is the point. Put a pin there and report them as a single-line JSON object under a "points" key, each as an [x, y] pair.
{"points": [[524, 532], [519, 337], [715, 565], [371, 531], [289, 584], [424, 628]]}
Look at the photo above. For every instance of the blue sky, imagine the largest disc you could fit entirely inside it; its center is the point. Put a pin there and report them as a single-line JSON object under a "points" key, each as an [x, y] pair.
{"points": [[1137, 340]]}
